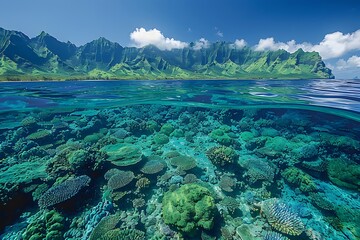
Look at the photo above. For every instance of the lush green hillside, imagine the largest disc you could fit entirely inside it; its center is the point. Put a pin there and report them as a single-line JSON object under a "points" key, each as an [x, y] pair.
{"points": [[44, 57]]}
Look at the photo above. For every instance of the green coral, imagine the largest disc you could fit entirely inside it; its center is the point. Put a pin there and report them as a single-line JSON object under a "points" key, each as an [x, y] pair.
{"points": [[122, 154], [221, 155], [188, 208], [299, 178], [167, 129], [161, 139], [344, 173], [221, 135], [48, 226]]}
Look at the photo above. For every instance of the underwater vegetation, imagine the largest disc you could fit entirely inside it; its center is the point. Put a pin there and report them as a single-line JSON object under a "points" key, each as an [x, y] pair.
{"points": [[168, 172]]}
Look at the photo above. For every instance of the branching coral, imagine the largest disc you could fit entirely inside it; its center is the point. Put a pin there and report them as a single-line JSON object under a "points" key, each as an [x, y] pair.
{"points": [[281, 217], [221, 155], [63, 191]]}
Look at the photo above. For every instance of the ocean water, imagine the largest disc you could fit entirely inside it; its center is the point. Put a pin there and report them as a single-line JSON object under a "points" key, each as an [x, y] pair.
{"points": [[180, 160]]}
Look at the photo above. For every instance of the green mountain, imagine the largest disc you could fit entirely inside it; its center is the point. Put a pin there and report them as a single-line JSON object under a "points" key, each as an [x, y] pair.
{"points": [[44, 57]]}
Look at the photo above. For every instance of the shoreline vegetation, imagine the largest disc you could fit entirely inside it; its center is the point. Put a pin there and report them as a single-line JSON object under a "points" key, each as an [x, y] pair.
{"points": [[45, 58]]}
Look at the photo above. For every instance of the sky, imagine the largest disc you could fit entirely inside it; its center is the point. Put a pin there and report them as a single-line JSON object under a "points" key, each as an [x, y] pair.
{"points": [[330, 27]]}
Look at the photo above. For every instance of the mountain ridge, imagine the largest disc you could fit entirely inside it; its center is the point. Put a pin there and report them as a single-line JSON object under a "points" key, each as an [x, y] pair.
{"points": [[45, 58]]}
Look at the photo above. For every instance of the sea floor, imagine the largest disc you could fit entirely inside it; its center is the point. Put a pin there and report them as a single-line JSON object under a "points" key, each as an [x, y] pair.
{"points": [[171, 172]]}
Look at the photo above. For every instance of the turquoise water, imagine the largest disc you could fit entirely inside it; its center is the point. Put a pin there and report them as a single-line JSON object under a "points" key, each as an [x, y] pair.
{"points": [[180, 160]]}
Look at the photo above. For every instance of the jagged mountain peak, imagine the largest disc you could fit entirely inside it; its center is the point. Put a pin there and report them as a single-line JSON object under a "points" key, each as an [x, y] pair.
{"points": [[220, 60]]}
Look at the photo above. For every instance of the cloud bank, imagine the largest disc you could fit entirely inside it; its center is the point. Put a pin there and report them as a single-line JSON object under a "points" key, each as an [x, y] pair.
{"points": [[333, 45], [352, 62], [142, 38]]}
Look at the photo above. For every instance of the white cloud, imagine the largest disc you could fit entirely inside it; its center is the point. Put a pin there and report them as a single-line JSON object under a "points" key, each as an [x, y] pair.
{"points": [[352, 62], [220, 34], [142, 38], [201, 43], [239, 43], [290, 46], [332, 46], [337, 44]]}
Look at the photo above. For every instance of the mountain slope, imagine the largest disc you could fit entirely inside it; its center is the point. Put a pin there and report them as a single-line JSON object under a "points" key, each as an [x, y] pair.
{"points": [[44, 57]]}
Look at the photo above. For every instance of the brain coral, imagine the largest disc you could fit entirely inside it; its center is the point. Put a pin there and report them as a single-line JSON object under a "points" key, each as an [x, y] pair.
{"points": [[63, 191], [122, 154], [188, 208], [120, 179], [280, 217]]}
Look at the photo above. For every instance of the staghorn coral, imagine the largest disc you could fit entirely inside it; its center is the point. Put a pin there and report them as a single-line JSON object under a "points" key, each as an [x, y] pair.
{"points": [[63, 191], [280, 217], [274, 236], [138, 202], [120, 179], [153, 167], [221, 155], [142, 183], [227, 183]]}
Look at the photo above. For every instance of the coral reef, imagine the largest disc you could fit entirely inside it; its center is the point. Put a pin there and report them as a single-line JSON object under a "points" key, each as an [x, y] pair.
{"points": [[300, 179], [63, 191], [122, 155], [281, 217], [221, 155], [120, 179], [188, 208]]}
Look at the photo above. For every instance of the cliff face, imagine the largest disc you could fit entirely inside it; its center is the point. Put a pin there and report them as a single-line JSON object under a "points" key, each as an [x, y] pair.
{"points": [[44, 57]]}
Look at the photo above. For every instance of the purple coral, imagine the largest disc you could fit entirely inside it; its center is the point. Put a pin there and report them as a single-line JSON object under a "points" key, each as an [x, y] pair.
{"points": [[63, 191]]}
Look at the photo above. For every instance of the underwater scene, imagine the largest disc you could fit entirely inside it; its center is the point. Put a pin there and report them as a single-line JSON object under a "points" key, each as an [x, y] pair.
{"points": [[242, 160]]}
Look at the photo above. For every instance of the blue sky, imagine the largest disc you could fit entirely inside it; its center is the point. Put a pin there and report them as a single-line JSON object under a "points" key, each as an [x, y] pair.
{"points": [[276, 22]]}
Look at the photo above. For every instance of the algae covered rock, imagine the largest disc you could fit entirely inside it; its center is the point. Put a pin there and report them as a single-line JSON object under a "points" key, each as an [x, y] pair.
{"points": [[299, 178], [188, 208], [344, 173], [122, 154]]}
